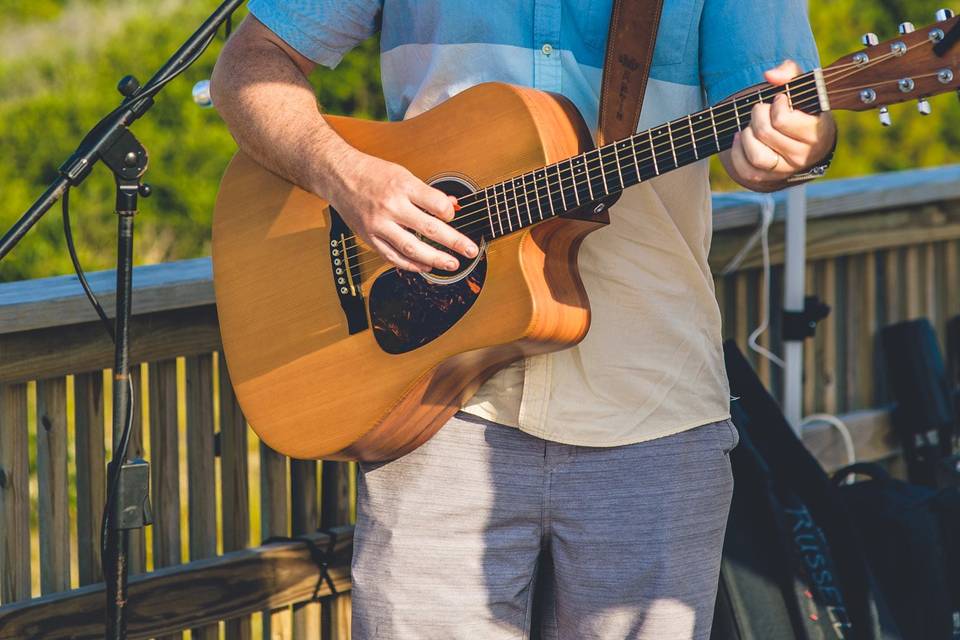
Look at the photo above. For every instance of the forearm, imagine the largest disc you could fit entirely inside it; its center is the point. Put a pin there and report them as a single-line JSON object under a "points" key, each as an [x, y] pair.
{"points": [[261, 91]]}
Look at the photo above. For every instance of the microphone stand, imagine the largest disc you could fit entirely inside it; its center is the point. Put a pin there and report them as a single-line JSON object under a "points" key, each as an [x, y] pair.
{"points": [[112, 142]]}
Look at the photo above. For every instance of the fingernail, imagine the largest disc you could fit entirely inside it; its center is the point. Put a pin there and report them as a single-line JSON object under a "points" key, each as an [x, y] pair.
{"points": [[456, 206], [472, 251], [452, 265]]}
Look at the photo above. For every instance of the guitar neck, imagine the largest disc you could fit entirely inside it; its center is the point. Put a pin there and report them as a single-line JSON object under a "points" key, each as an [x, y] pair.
{"points": [[586, 179]]}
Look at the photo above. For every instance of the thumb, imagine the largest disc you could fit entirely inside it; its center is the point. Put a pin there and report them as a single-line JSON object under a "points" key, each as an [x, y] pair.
{"points": [[783, 73]]}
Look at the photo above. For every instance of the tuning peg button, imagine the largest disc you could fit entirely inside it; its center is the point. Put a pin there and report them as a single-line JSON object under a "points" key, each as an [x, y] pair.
{"points": [[870, 39], [906, 27], [923, 106], [943, 14], [885, 117]]}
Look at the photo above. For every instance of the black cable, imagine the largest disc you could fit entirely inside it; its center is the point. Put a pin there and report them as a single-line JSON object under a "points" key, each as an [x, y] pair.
{"points": [[91, 296]]}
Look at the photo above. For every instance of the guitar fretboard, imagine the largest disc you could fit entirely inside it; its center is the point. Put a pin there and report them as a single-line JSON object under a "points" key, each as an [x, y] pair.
{"points": [[585, 179]]}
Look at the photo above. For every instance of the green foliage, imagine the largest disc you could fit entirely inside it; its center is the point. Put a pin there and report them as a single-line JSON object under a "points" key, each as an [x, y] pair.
{"points": [[52, 93], [60, 61]]}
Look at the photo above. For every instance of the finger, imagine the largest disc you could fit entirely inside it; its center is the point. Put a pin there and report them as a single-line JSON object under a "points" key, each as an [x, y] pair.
{"points": [[760, 157], [794, 123], [433, 201], [439, 231], [763, 129], [385, 249], [783, 72], [417, 250], [741, 165]]}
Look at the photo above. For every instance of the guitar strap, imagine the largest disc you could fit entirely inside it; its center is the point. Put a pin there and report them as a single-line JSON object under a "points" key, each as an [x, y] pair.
{"points": [[626, 67]]}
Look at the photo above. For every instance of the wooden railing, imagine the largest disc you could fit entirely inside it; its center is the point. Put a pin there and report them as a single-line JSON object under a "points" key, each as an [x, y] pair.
{"points": [[882, 249]]}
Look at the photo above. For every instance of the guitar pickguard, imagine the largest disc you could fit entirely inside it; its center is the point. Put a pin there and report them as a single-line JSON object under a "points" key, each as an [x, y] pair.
{"points": [[408, 311]]}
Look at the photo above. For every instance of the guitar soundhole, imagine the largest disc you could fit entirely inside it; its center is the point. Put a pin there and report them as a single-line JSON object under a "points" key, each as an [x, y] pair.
{"points": [[409, 310]]}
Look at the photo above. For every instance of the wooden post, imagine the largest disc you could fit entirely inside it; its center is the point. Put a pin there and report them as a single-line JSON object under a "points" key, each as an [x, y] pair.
{"points": [[334, 511], [233, 483], [164, 464], [91, 481], [52, 485], [304, 519], [14, 495], [200, 468], [273, 522]]}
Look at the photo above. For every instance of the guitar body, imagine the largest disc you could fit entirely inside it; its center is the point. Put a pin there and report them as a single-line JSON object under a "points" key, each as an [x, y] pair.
{"points": [[312, 389]]}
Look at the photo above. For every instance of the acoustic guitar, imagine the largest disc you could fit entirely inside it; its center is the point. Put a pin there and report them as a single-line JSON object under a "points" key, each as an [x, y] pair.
{"points": [[335, 354]]}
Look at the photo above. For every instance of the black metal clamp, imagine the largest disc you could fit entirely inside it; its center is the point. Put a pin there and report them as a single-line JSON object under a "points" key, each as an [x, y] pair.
{"points": [[800, 325]]}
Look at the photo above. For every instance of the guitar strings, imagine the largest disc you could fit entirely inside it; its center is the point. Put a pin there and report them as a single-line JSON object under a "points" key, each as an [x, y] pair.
{"points": [[473, 215], [509, 196], [512, 200]]}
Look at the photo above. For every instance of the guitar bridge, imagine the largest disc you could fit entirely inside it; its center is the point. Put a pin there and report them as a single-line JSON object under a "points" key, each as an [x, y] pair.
{"points": [[346, 274]]}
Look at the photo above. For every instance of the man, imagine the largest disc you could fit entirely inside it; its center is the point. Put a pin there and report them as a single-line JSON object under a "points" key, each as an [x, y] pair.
{"points": [[596, 477]]}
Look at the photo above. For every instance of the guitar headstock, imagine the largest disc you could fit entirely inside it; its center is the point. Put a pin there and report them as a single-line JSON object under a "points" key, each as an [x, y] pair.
{"points": [[917, 64]]}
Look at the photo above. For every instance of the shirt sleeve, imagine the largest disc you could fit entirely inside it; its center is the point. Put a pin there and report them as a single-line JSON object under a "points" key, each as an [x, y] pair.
{"points": [[322, 30], [740, 39]]}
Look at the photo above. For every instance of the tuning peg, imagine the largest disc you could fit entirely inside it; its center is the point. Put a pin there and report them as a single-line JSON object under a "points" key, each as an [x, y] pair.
{"points": [[906, 27], [870, 39], [923, 106], [943, 14], [885, 116]]}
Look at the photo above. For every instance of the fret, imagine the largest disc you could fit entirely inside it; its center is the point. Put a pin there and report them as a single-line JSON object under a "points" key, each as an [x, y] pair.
{"points": [[664, 149], [603, 171], [573, 178], [673, 149], [536, 192], [703, 135], [486, 195], [684, 150], [653, 152], [616, 155], [736, 112], [563, 198], [586, 167], [526, 198], [789, 97], [633, 152], [506, 205], [713, 123], [486, 200], [516, 203], [693, 138]]}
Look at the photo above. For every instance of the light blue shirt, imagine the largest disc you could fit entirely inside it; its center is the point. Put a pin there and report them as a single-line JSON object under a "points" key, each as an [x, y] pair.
{"points": [[431, 49]]}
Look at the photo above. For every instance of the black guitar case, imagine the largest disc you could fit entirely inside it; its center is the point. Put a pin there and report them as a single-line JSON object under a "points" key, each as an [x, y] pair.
{"points": [[792, 565]]}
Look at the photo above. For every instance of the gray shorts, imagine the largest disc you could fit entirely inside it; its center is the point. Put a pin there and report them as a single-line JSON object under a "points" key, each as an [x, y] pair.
{"points": [[486, 532]]}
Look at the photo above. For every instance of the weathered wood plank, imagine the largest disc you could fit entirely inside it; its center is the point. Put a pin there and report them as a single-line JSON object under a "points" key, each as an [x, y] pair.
{"points": [[273, 523], [335, 511], [14, 495], [191, 595], [56, 301], [57, 351], [91, 472], [304, 518], [165, 467], [233, 483], [200, 468], [164, 463], [54, 518]]}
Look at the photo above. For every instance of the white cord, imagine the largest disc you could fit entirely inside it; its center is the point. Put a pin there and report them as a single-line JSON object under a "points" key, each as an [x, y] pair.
{"points": [[839, 425], [767, 208]]}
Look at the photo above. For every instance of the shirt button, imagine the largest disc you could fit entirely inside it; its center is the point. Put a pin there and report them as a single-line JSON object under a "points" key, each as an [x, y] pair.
{"points": [[547, 49]]}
